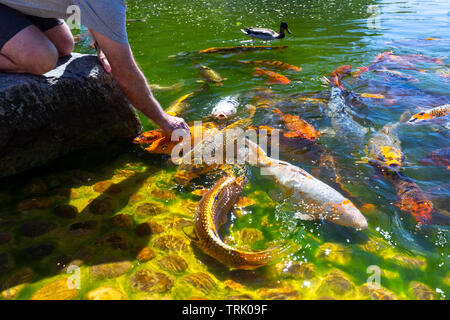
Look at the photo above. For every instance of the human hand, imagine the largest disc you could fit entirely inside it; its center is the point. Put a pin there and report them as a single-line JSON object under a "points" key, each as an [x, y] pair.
{"points": [[170, 123]]}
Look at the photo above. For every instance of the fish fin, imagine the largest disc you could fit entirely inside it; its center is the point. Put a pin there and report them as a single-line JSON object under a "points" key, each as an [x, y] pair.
{"points": [[304, 216], [192, 236], [245, 202], [200, 192]]}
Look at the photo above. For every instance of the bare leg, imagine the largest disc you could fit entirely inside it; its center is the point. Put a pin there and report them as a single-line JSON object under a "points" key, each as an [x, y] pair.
{"points": [[29, 51], [62, 39]]}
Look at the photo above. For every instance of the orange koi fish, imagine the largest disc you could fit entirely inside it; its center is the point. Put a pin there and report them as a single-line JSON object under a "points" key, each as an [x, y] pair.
{"points": [[372, 95], [337, 75], [226, 50], [297, 127], [411, 198], [275, 64], [272, 77], [161, 142], [439, 157]]}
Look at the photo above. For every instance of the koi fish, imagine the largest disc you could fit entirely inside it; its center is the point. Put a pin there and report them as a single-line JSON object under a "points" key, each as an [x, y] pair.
{"points": [[319, 200], [275, 64], [179, 106], [430, 115], [397, 74], [272, 77], [225, 108], [297, 127], [211, 214], [341, 114], [411, 198], [226, 50], [439, 157], [210, 75], [157, 87], [372, 95], [337, 75], [161, 143], [385, 148]]}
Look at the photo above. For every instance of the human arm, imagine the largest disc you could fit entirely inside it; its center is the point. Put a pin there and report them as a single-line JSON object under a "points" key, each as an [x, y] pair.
{"points": [[118, 59]]}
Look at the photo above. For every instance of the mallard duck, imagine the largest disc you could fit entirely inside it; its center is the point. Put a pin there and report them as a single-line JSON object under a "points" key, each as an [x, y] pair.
{"points": [[267, 34]]}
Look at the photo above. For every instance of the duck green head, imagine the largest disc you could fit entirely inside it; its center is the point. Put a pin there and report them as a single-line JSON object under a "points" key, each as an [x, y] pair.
{"points": [[284, 26]]}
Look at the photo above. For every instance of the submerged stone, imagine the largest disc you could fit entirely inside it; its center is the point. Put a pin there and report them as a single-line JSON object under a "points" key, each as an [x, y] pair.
{"points": [[145, 254], [335, 283], [376, 293], [173, 263], [12, 286], [410, 262], [240, 297], [36, 228], [201, 281], [250, 235], [148, 228], [150, 281], [169, 242], [247, 277], [57, 290], [39, 251], [335, 253], [66, 211], [4, 238], [37, 203], [149, 209], [105, 293], [110, 269], [122, 220], [107, 187], [35, 187], [101, 206], [282, 293], [5, 262], [163, 194], [421, 291], [83, 228], [67, 193], [116, 240], [297, 270]]}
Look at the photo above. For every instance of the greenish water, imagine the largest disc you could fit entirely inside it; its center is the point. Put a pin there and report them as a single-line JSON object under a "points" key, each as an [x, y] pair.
{"points": [[331, 261]]}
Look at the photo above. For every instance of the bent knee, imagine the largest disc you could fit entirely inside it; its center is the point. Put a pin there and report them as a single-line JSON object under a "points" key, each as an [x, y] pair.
{"points": [[65, 46], [42, 60]]}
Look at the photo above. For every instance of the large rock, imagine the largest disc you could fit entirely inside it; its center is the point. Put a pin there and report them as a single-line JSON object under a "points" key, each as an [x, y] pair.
{"points": [[75, 106]]}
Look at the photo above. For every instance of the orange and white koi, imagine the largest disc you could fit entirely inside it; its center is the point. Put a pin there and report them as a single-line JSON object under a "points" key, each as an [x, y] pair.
{"points": [[319, 200], [275, 64], [272, 77], [427, 116]]}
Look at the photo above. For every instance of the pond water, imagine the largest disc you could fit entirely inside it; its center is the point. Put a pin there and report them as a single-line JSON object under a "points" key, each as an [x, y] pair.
{"points": [[121, 218]]}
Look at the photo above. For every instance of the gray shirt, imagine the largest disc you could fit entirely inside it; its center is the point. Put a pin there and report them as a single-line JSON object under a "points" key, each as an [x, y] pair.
{"points": [[107, 17]]}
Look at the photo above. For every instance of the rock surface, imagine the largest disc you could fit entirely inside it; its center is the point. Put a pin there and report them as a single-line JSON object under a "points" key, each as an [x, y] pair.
{"points": [[75, 106]]}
